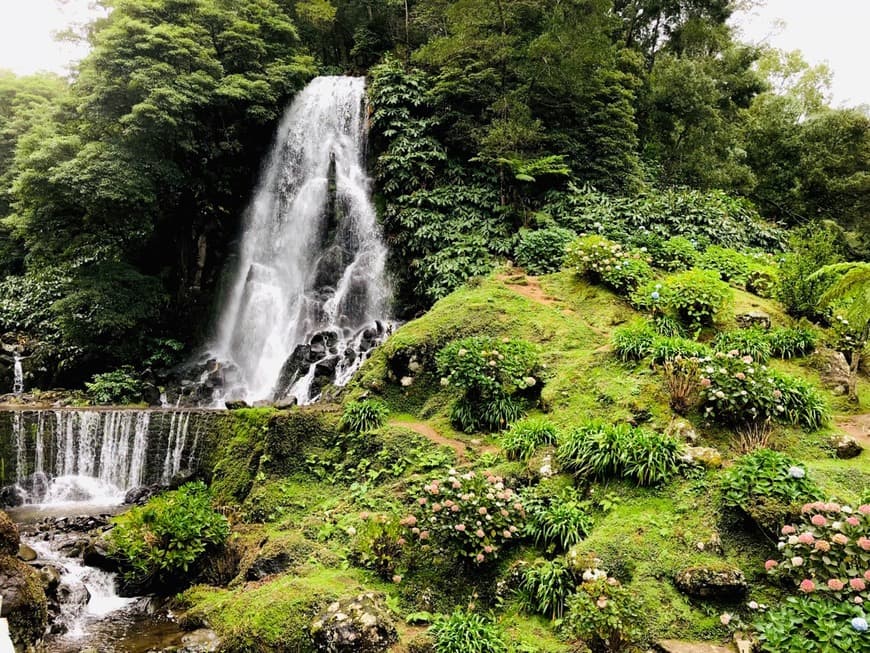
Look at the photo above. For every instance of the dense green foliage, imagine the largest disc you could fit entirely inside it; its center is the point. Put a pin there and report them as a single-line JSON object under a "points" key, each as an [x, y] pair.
{"points": [[159, 543], [363, 416], [467, 632], [813, 624], [766, 475], [524, 437], [117, 387]]}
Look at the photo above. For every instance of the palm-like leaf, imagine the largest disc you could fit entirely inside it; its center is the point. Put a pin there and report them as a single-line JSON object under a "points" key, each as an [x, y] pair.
{"points": [[852, 287]]}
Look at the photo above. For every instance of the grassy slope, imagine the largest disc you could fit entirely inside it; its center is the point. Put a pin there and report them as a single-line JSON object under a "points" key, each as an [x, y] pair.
{"points": [[647, 536]]}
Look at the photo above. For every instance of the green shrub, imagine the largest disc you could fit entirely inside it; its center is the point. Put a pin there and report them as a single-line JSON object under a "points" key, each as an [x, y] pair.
{"points": [[697, 296], [544, 587], [491, 374], [763, 476], [812, 248], [737, 390], [602, 451], [524, 437], [754, 342], [634, 341], [804, 403], [558, 519], [762, 281], [605, 615], [120, 386], [543, 251], [668, 348], [473, 514], [731, 265], [159, 543], [378, 546], [676, 254], [363, 416], [467, 632], [788, 342], [604, 261], [804, 624], [828, 551]]}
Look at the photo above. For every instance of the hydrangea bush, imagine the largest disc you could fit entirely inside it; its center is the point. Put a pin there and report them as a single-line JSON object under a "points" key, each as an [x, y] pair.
{"points": [[603, 261], [828, 551], [735, 389], [605, 615], [474, 515], [811, 624], [490, 374]]}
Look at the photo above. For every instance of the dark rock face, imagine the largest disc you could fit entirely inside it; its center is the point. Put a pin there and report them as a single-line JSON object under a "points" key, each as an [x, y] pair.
{"points": [[725, 583], [96, 554], [267, 566], [139, 496], [9, 539], [24, 603], [358, 625]]}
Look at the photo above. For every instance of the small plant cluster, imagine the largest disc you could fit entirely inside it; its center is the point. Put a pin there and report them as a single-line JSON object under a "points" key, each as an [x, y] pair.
{"points": [[120, 386], [767, 485], [556, 519], [732, 266], [466, 631], [603, 261], [761, 344], [694, 297], [525, 436], [762, 281], [601, 450], [813, 624], [363, 416], [379, 545], [543, 250], [737, 390], [828, 551], [545, 586], [676, 254], [605, 615], [639, 339], [491, 374], [472, 514], [163, 539]]}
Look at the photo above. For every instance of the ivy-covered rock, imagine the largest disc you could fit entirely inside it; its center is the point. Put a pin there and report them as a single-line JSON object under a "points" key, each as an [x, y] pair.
{"points": [[358, 625]]}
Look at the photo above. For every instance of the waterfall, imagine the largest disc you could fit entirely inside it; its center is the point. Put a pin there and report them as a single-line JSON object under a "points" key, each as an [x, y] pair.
{"points": [[17, 375], [308, 296], [69, 455]]}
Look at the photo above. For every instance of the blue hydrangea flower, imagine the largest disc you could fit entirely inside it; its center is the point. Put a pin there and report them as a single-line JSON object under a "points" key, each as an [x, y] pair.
{"points": [[859, 624], [796, 472], [655, 295]]}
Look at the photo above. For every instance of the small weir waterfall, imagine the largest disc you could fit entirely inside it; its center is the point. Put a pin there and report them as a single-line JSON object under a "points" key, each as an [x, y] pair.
{"points": [[67, 455], [308, 296]]}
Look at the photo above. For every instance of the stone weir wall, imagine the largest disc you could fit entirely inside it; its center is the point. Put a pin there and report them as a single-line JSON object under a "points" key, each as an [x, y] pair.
{"points": [[118, 449]]}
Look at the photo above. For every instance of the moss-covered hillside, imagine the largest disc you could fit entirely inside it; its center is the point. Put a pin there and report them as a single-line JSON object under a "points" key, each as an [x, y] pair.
{"points": [[320, 513]]}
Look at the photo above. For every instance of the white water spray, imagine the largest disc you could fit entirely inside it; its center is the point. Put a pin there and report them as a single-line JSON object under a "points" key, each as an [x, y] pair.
{"points": [[17, 375], [310, 274]]}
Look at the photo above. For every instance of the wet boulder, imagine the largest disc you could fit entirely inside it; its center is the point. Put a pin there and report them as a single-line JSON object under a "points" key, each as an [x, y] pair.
{"points": [[356, 625], [9, 539], [753, 319], [139, 495], [97, 554], [846, 446], [24, 603], [25, 553], [722, 582]]}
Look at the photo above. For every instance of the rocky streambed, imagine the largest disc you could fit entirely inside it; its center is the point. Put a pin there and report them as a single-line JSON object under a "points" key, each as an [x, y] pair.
{"points": [[61, 591]]}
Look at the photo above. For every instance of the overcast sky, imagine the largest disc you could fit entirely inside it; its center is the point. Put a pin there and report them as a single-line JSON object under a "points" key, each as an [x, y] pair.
{"points": [[825, 30]]}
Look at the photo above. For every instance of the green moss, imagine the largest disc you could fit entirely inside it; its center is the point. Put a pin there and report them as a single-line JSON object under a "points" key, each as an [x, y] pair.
{"points": [[28, 619], [270, 617]]}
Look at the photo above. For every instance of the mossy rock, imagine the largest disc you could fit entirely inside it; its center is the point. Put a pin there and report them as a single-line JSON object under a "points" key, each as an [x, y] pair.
{"points": [[716, 582], [24, 603], [284, 552], [9, 539], [361, 624]]}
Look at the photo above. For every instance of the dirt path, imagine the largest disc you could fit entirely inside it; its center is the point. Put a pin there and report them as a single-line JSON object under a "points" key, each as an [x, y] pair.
{"points": [[460, 447], [858, 426], [528, 287]]}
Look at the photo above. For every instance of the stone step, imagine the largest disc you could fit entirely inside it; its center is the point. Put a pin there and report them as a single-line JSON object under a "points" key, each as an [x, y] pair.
{"points": [[677, 646]]}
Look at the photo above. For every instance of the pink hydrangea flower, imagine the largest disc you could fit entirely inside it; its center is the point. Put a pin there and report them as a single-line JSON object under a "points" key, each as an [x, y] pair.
{"points": [[853, 521], [422, 501], [867, 575], [857, 584], [487, 549], [836, 584], [436, 507], [740, 376], [480, 558], [832, 507], [481, 510], [864, 543], [818, 520], [797, 561], [840, 539], [454, 508], [770, 564], [823, 545], [479, 532], [807, 586], [706, 383], [401, 541], [864, 509], [424, 535], [787, 530], [806, 538]]}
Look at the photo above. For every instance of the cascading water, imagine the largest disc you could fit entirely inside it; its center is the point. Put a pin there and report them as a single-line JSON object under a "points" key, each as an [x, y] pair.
{"points": [[17, 375], [308, 296], [68, 455]]}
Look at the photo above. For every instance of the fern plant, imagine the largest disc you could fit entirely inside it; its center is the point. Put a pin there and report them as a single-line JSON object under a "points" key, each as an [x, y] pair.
{"points": [[544, 587], [363, 416], [524, 437]]}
